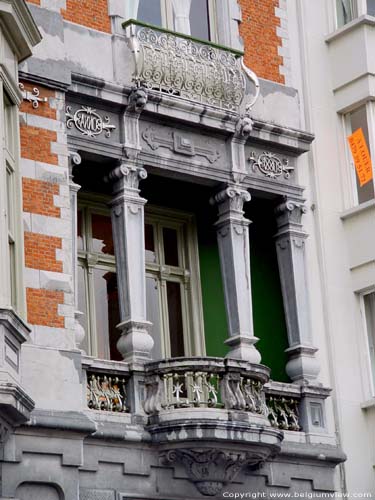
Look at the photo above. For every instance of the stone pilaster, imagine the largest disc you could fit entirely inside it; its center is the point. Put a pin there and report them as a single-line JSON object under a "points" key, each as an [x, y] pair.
{"points": [[290, 247], [127, 213], [234, 249], [74, 160]]}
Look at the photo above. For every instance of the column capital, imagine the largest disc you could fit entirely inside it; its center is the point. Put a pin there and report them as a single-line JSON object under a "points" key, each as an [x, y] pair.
{"points": [[230, 202], [289, 211], [74, 160], [130, 174]]}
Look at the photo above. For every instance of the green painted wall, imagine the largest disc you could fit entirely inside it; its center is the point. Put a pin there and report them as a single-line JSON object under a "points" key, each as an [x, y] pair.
{"points": [[215, 323], [268, 311]]}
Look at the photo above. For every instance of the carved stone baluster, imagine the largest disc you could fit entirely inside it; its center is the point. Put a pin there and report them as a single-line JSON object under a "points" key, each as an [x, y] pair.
{"points": [[234, 250], [290, 247]]}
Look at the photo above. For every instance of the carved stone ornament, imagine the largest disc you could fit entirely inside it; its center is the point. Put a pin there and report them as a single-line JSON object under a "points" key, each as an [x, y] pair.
{"points": [[137, 99], [87, 121], [178, 143], [211, 469], [270, 165], [33, 96]]}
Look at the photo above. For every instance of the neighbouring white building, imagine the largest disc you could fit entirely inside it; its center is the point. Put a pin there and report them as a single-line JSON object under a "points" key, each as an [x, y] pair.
{"points": [[332, 48]]}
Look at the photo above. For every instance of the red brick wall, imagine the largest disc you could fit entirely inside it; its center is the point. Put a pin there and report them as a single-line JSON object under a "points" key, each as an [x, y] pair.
{"points": [[38, 197], [43, 109], [258, 31], [40, 252], [42, 307], [36, 144], [89, 13]]}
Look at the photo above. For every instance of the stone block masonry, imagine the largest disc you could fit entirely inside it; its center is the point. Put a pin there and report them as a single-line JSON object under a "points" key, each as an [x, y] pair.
{"points": [[47, 217]]}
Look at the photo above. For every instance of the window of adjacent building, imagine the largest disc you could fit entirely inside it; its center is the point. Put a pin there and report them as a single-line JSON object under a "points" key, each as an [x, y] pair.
{"points": [[371, 7], [171, 284], [359, 119], [369, 312], [194, 17], [346, 11]]}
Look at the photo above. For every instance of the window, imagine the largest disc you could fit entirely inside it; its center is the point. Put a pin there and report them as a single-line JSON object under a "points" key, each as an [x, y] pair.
{"points": [[10, 207], [172, 278], [346, 11], [369, 314], [359, 119], [192, 17]]}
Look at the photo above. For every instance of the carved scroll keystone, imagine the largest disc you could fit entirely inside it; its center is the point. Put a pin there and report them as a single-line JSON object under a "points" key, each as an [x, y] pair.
{"points": [[211, 469]]}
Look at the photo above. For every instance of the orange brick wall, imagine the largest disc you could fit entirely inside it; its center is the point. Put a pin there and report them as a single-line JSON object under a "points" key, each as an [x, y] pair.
{"points": [[258, 31], [38, 197], [36, 144], [42, 307], [40, 252]]}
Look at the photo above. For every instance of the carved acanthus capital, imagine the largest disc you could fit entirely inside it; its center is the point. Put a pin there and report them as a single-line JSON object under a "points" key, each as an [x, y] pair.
{"points": [[211, 469], [137, 99], [130, 175]]}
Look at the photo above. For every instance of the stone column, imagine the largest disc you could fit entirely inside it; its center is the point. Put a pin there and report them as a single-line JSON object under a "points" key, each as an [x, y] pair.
{"points": [[127, 213], [290, 246], [234, 250], [75, 159]]}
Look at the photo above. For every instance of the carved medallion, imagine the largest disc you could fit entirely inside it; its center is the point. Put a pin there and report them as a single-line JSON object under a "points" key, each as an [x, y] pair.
{"points": [[87, 121], [270, 165]]}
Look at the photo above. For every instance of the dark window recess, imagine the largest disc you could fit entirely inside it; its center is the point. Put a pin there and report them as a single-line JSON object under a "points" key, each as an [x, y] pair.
{"points": [[113, 316], [199, 19], [175, 319], [170, 247], [102, 240], [149, 11], [150, 243]]}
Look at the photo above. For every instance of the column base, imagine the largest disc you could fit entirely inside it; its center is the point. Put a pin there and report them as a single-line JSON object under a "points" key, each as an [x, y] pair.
{"points": [[135, 343], [302, 366], [242, 347]]}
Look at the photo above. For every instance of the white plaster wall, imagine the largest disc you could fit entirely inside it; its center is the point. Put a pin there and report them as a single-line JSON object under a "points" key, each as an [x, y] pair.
{"points": [[334, 306]]}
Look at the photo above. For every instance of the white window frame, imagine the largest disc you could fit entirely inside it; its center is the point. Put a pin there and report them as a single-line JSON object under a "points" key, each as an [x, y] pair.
{"points": [[370, 369], [370, 116], [167, 16], [191, 299], [359, 9], [12, 294]]}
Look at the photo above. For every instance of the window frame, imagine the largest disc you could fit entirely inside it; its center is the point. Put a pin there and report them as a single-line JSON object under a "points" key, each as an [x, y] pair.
{"points": [[12, 249], [370, 118], [191, 295], [166, 9], [359, 9], [370, 368]]}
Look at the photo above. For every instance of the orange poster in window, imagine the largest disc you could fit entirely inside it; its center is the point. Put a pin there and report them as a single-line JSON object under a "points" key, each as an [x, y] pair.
{"points": [[361, 156]]}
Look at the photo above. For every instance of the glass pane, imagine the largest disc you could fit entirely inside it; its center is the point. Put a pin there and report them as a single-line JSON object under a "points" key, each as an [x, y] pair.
{"points": [[82, 302], [79, 230], [199, 19], [176, 333], [13, 280], [369, 301], [150, 243], [102, 240], [9, 200], [358, 119], [107, 313], [153, 315], [371, 7], [345, 11], [170, 246], [149, 11], [9, 125]]}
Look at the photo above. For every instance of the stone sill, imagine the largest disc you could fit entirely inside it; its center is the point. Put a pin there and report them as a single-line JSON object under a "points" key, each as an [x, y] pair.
{"points": [[352, 212], [92, 364], [353, 25], [369, 404]]}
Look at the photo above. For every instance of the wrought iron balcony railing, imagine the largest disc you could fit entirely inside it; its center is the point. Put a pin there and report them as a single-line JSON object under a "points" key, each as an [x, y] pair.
{"points": [[182, 66], [106, 392]]}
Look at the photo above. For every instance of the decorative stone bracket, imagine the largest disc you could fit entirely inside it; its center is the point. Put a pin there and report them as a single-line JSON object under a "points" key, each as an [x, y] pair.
{"points": [[211, 469]]}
